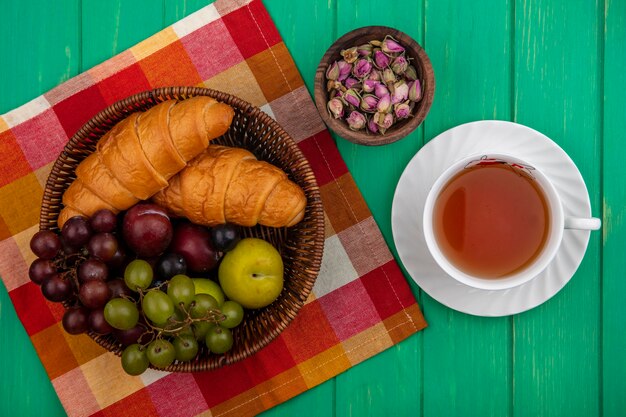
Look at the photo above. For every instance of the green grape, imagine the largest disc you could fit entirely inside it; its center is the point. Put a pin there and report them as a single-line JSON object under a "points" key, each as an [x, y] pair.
{"points": [[234, 314], [157, 306], [181, 290], [161, 353], [121, 313], [201, 328], [186, 347], [134, 360], [138, 274], [219, 339], [202, 304]]}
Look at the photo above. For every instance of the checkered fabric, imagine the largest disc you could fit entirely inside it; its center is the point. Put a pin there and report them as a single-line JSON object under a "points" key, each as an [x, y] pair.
{"points": [[360, 305]]}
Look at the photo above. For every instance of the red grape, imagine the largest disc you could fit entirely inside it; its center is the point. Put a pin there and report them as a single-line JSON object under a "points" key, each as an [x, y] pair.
{"points": [[147, 230], [76, 232], [56, 288], [75, 320], [103, 221], [94, 294], [118, 261], [102, 246], [132, 335], [193, 242], [97, 323], [45, 244], [41, 269], [92, 270], [119, 288]]}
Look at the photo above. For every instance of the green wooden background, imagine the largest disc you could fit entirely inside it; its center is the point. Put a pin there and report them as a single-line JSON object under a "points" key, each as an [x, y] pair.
{"points": [[556, 66]]}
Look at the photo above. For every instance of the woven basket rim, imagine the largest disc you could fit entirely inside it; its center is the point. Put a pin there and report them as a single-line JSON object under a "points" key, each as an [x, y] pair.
{"points": [[74, 151]]}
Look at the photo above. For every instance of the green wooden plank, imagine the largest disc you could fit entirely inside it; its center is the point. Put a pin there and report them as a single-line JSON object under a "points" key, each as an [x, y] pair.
{"points": [[467, 360], [614, 227], [557, 91], [110, 27], [40, 49], [175, 10], [390, 383], [306, 28]]}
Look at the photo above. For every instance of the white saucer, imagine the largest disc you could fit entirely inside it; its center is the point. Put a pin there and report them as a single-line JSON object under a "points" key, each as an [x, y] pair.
{"points": [[489, 136]]}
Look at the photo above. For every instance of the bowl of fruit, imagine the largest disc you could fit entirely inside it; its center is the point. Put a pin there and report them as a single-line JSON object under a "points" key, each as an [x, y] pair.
{"points": [[181, 228]]}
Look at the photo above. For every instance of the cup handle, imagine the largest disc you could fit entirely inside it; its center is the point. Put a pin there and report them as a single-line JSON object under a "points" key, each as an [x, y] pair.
{"points": [[591, 223]]}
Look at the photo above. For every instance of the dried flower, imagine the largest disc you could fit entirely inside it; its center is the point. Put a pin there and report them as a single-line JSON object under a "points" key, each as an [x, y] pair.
{"points": [[335, 108], [391, 46], [402, 110], [350, 55], [380, 90], [375, 43], [400, 92], [332, 73], [415, 91], [362, 68], [344, 70], [399, 65], [381, 60], [384, 121], [334, 85], [388, 76], [356, 121], [368, 103], [369, 85], [364, 50], [372, 126], [351, 82], [384, 104], [375, 75], [352, 97], [410, 73]]}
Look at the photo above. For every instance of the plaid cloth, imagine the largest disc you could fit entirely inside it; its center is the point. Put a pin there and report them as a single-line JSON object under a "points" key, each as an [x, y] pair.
{"points": [[361, 303]]}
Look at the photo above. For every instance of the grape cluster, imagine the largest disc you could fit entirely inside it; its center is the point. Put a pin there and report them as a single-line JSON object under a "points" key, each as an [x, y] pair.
{"points": [[149, 305]]}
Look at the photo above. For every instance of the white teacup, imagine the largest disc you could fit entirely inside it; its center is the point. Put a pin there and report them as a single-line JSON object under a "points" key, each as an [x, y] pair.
{"points": [[557, 223]]}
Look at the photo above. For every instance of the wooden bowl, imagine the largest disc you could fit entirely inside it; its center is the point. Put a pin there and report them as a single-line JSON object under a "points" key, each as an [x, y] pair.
{"points": [[420, 61], [301, 246]]}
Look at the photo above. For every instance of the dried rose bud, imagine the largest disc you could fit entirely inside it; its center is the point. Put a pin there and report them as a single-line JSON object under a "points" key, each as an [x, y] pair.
{"points": [[370, 85], [344, 70], [334, 85], [399, 65], [350, 55], [400, 92], [375, 75], [372, 126], [402, 110], [391, 46], [351, 82], [352, 97], [335, 108], [332, 73], [380, 90], [384, 121], [364, 50], [375, 43], [384, 104], [388, 76], [381, 60], [368, 103], [362, 68], [415, 91], [356, 121], [410, 73]]}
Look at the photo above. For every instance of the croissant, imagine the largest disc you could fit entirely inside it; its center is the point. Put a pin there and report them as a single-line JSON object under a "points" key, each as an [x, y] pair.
{"points": [[140, 154], [225, 184]]}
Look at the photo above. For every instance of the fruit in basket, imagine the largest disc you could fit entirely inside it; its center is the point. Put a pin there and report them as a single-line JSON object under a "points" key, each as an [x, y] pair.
{"points": [[181, 290], [185, 347], [92, 270], [45, 244], [193, 243], [98, 323], [169, 265], [234, 314], [226, 184], [136, 334], [225, 237], [157, 306], [76, 320], [56, 288], [137, 157], [41, 269], [147, 230], [219, 339], [201, 305], [138, 275], [76, 232], [206, 286], [94, 294], [119, 288], [135, 360], [161, 353], [121, 313], [103, 221], [102, 246], [252, 273]]}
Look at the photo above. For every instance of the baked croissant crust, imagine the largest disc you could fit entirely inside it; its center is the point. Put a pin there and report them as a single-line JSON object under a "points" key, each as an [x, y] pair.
{"points": [[226, 184], [140, 154]]}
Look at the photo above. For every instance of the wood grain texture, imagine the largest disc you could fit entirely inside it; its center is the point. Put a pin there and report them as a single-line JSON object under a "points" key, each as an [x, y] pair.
{"points": [[467, 360], [556, 345], [613, 342]]}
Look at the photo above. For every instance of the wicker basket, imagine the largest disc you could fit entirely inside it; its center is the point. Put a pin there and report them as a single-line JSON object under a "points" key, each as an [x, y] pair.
{"points": [[301, 246]]}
